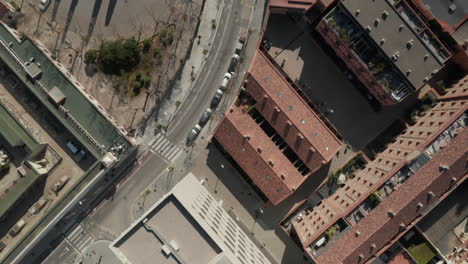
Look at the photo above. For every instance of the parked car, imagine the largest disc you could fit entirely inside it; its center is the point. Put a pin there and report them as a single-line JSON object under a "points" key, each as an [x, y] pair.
{"points": [[60, 184], [43, 4], [193, 134], [216, 98], [233, 64], [17, 227], [205, 117], [37, 207], [239, 47], [225, 82]]}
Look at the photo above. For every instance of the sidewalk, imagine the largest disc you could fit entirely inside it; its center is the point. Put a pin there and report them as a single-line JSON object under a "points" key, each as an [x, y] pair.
{"points": [[99, 252], [200, 50]]}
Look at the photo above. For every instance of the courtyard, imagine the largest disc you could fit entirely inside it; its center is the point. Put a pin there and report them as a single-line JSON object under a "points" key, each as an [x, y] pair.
{"points": [[332, 90]]}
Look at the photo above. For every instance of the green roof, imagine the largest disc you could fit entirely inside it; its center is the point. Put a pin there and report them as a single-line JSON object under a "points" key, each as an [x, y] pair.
{"points": [[82, 110], [13, 132], [10, 198]]}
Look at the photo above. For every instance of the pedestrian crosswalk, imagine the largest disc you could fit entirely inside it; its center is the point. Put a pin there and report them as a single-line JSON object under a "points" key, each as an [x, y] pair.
{"points": [[79, 238], [162, 146]]}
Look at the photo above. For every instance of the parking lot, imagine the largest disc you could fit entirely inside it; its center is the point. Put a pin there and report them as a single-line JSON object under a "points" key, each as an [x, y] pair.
{"points": [[329, 89]]}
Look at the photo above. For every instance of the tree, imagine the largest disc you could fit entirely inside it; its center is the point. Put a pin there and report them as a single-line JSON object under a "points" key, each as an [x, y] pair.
{"points": [[146, 81], [118, 55], [91, 56], [146, 45], [136, 88]]}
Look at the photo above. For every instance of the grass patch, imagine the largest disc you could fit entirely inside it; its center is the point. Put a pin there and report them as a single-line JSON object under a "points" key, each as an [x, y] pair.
{"points": [[422, 253]]}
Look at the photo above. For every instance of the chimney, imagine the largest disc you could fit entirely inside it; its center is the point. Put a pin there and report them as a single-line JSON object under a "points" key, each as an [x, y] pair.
{"points": [[443, 168], [431, 195]]}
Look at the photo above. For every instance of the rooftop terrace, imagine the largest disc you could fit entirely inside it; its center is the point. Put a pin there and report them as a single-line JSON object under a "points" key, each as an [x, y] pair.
{"points": [[402, 36]]}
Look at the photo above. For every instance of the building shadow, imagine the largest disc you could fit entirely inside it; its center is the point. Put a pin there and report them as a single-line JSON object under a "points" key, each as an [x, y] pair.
{"points": [[21, 209], [71, 12], [110, 12], [94, 16]]}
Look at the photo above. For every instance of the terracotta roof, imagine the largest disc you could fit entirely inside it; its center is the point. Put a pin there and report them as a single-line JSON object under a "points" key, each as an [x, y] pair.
{"points": [[378, 227], [404, 148], [279, 91], [242, 138], [458, 90]]}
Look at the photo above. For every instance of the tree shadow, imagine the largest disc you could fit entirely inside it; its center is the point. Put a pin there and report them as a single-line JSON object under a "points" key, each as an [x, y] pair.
{"points": [[71, 11], [55, 9], [94, 16], [110, 11]]}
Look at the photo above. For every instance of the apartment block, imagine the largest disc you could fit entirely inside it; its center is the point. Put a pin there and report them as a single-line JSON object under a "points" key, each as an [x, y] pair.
{"points": [[273, 134], [386, 44], [394, 191]]}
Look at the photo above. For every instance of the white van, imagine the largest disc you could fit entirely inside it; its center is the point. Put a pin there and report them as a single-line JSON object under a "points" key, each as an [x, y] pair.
{"points": [[17, 228]]}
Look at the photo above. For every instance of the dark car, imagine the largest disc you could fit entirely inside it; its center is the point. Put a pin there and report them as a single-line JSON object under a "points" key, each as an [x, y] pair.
{"points": [[216, 99], [205, 117]]}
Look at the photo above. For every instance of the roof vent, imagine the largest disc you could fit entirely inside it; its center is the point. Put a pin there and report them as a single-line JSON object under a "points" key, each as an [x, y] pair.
{"points": [[453, 180], [368, 29], [10, 44], [357, 233], [376, 22], [426, 57], [391, 213], [425, 79], [382, 41], [384, 14], [373, 246], [419, 205], [402, 226], [271, 163], [431, 194], [443, 168], [361, 256], [410, 43], [400, 28], [358, 12], [434, 72], [259, 150], [408, 72]]}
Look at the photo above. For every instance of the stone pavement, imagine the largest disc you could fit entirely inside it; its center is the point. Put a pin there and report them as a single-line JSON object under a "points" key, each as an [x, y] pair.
{"points": [[99, 253], [200, 49]]}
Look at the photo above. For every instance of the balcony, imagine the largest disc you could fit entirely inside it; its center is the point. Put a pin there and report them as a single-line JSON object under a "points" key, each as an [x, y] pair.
{"points": [[333, 234]]}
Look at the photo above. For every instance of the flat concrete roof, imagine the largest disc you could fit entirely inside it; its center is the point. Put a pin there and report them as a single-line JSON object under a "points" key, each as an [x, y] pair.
{"points": [[441, 9], [194, 228], [171, 222], [395, 39]]}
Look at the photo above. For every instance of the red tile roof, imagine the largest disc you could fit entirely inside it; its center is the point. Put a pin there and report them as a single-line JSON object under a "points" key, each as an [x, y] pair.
{"points": [[242, 138], [272, 83], [405, 147], [379, 228]]}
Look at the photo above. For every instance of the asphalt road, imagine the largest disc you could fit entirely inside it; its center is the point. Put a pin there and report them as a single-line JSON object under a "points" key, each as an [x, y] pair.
{"points": [[116, 212], [213, 72]]}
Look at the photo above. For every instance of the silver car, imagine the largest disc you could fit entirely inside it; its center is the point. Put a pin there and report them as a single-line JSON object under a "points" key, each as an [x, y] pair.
{"points": [[193, 134]]}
